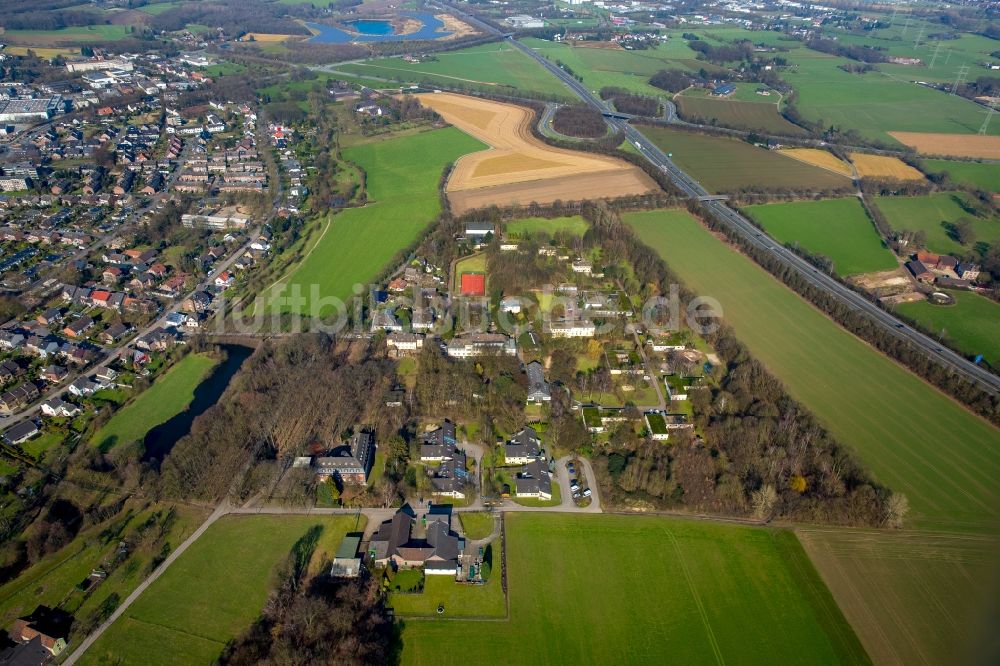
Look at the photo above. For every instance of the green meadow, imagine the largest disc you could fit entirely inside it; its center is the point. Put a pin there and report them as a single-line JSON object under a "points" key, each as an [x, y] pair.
{"points": [[972, 324], [977, 174], [934, 214], [529, 226], [724, 165], [498, 67], [602, 589], [167, 397], [836, 228], [357, 244], [868, 402], [212, 593]]}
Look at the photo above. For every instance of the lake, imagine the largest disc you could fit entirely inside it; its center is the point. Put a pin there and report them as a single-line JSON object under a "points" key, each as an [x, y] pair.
{"points": [[161, 439], [372, 30]]}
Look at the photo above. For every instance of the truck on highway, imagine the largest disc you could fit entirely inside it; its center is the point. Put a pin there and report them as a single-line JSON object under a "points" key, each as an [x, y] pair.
{"points": [[637, 145]]}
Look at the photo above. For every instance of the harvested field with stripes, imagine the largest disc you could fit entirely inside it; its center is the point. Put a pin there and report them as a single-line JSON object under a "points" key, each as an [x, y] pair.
{"points": [[881, 166], [951, 145], [821, 159]]}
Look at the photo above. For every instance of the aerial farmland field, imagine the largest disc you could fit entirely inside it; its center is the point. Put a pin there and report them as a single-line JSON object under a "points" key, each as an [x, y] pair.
{"points": [[518, 168], [948, 489], [724, 165], [359, 242], [212, 592], [500, 68], [883, 166], [711, 593], [820, 158], [751, 111], [977, 174], [894, 422], [972, 324], [933, 214], [601, 67], [836, 228], [62, 36]]}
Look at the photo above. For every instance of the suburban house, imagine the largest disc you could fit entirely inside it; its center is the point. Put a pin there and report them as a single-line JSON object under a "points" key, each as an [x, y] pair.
{"points": [[17, 397], [76, 328], [20, 433], [439, 552], [351, 463], [534, 480], [522, 447], [538, 388], [57, 407], [451, 476], [967, 271], [439, 444], [51, 626]]}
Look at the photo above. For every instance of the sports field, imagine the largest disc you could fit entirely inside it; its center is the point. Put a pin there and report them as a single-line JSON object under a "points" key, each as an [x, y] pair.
{"points": [[836, 228], [726, 165], [820, 158], [933, 214], [530, 226], [167, 397], [520, 169], [756, 115], [972, 323], [844, 382], [500, 68], [912, 597], [984, 176], [645, 589], [358, 243], [211, 593]]}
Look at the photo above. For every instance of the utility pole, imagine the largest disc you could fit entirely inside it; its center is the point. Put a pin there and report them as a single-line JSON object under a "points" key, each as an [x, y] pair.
{"points": [[920, 35], [963, 71], [937, 49], [986, 121]]}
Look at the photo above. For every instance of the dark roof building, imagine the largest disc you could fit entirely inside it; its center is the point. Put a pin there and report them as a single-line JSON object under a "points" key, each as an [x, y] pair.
{"points": [[439, 444], [534, 480], [439, 552], [523, 447], [350, 463], [451, 477], [538, 388]]}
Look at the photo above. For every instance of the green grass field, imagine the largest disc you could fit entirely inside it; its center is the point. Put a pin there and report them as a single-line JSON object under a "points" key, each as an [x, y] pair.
{"points": [[458, 600], [868, 402], [931, 214], [607, 589], [972, 324], [530, 226], [168, 396], [722, 164], [984, 176], [497, 67], [359, 242], [754, 115], [874, 103], [477, 525], [211, 594], [837, 228], [912, 597], [73, 35]]}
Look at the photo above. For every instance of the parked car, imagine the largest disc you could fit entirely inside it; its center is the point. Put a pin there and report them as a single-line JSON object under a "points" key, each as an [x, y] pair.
{"points": [[586, 492]]}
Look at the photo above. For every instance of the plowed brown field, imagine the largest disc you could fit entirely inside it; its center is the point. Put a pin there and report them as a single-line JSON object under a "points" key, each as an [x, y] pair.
{"points": [[520, 169]]}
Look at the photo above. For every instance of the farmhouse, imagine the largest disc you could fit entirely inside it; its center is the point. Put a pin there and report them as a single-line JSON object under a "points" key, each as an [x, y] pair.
{"points": [[351, 463], [50, 626], [439, 552], [522, 447], [724, 89], [919, 271]]}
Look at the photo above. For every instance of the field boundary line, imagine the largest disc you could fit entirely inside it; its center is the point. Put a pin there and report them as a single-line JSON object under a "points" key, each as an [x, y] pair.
{"points": [[697, 598], [173, 629]]}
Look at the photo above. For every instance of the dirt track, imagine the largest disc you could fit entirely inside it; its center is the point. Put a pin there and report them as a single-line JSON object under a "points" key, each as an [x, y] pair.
{"points": [[520, 169]]}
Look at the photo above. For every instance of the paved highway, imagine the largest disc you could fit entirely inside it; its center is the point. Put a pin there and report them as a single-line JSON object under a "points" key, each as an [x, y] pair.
{"points": [[955, 362]]}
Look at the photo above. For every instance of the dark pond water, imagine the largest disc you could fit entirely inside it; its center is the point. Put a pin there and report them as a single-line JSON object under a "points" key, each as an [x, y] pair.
{"points": [[161, 439], [379, 31]]}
